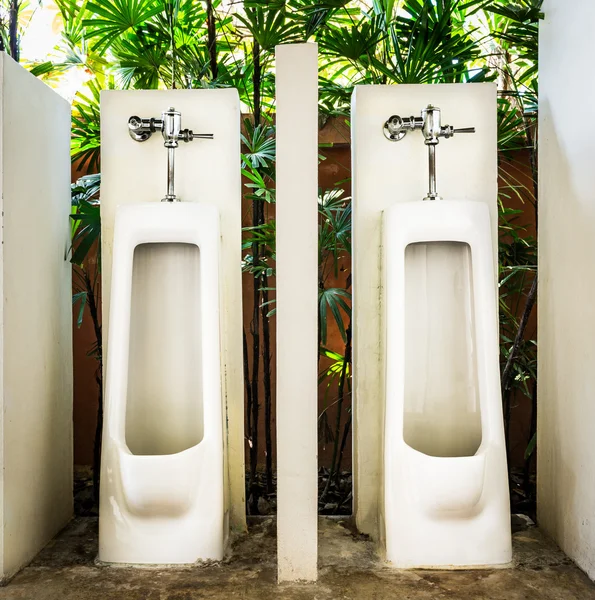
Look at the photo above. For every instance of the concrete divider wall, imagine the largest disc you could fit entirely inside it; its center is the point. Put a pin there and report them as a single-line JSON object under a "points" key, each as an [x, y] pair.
{"points": [[566, 320], [35, 317]]}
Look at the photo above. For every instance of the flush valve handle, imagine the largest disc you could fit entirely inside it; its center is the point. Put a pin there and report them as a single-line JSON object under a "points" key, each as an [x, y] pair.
{"points": [[187, 135]]}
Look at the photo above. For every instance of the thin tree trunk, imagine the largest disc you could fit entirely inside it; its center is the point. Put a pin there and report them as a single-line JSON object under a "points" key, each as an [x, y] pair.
{"points": [[533, 161], [531, 144], [172, 41], [13, 29], [98, 437], [507, 401], [319, 320], [507, 373], [255, 330], [254, 391], [247, 383], [532, 432], [173, 62], [341, 397], [256, 83], [212, 39], [346, 430], [93, 310], [266, 335]]}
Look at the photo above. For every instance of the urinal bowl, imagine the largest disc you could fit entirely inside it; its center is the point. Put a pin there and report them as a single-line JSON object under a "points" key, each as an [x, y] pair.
{"points": [[161, 499], [443, 485], [160, 486], [446, 502]]}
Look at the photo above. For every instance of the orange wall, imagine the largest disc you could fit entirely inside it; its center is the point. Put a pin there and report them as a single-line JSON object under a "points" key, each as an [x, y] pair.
{"points": [[85, 373]]}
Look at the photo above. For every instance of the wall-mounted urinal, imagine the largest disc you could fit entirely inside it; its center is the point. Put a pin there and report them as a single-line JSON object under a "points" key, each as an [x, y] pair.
{"points": [[162, 498], [446, 501]]}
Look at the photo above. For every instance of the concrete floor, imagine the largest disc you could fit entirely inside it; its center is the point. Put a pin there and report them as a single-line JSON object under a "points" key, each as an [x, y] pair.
{"points": [[349, 569]]}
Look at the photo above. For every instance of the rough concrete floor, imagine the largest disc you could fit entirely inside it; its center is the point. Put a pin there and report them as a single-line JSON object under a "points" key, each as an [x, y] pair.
{"points": [[349, 569]]}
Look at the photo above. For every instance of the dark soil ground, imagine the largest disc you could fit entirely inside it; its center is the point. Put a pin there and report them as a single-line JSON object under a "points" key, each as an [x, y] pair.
{"points": [[334, 496]]}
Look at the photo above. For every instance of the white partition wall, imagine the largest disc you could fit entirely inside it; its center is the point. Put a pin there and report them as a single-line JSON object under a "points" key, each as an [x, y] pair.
{"points": [[566, 316], [384, 173], [297, 311], [205, 171], [35, 317]]}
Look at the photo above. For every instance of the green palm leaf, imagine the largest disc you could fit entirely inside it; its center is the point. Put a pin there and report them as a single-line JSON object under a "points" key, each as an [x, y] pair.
{"points": [[116, 17], [335, 300]]}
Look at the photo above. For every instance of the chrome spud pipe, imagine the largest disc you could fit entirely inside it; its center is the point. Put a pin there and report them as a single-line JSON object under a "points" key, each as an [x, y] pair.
{"points": [[170, 125], [396, 128]]}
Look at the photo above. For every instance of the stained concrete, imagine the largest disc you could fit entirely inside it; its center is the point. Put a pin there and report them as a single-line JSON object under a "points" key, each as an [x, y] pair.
{"points": [[349, 569]]}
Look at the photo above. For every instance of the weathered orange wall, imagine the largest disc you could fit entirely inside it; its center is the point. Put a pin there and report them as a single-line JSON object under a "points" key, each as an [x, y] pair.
{"points": [[85, 372], [517, 170]]}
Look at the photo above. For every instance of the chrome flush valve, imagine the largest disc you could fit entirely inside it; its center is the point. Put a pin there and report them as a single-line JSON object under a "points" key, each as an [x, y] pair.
{"points": [[170, 126], [396, 128]]}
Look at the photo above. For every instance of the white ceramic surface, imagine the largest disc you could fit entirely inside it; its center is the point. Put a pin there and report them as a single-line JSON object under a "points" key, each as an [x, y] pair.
{"points": [[206, 171], [162, 461], [385, 173], [446, 486]]}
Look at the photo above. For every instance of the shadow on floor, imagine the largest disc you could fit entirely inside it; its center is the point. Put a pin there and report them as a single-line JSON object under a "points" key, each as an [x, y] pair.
{"points": [[349, 568]]}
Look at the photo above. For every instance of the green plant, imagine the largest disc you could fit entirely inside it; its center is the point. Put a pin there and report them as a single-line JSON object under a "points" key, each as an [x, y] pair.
{"points": [[86, 234], [334, 252]]}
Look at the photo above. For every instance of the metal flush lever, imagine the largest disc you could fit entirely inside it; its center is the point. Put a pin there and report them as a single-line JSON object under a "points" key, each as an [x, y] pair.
{"points": [[396, 128], [170, 126]]}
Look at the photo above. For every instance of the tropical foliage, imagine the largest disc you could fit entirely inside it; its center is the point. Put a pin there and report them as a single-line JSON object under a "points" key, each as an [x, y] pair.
{"points": [[139, 44]]}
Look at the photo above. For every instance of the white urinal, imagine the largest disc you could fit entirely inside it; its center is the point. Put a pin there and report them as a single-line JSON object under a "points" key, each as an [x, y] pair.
{"points": [[162, 462], [446, 485]]}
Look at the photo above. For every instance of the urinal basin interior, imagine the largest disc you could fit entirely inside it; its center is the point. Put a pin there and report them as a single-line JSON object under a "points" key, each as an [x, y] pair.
{"points": [[445, 485], [442, 416], [160, 486], [164, 404]]}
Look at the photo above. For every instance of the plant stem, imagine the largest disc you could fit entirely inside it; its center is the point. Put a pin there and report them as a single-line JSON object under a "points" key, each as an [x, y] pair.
{"points": [[341, 396], [92, 304], [508, 372], [256, 83], [212, 39], [346, 430], [266, 334], [13, 29], [247, 383], [532, 431], [255, 329], [172, 35]]}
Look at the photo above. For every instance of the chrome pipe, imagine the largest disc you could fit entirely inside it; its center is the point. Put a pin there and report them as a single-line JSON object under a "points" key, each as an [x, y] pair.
{"points": [[170, 196], [432, 194]]}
